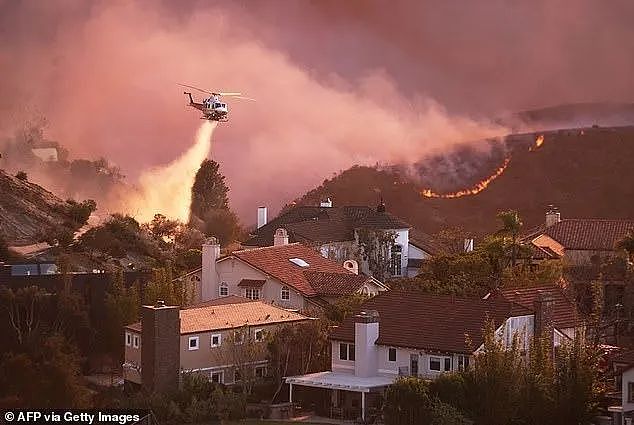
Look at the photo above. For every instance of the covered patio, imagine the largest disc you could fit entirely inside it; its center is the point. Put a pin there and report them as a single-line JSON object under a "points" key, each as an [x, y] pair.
{"points": [[367, 388]]}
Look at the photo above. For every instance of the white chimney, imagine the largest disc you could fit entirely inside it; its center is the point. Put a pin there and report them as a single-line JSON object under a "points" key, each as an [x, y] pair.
{"points": [[261, 216], [352, 266], [326, 204], [366, 332], [552, 216], [209, 278], [281, 237], [468, 245]]}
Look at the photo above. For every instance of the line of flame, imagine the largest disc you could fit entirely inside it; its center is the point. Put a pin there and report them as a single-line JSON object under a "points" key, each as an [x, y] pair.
{"points": [[538, 142], [479, 187]]}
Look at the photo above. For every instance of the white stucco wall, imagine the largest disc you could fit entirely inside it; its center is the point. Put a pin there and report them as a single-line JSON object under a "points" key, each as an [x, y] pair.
{"points": [[628, 377]]}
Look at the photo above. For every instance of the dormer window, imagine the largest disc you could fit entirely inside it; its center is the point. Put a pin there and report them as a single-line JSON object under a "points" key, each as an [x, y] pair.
{"points": [[285, 294]]}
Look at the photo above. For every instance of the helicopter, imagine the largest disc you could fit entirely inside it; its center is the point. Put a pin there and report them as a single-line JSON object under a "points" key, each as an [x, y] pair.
{"points": [[212, 107]]}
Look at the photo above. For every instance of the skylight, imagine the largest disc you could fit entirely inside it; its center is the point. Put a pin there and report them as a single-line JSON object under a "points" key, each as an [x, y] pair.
{"points": [[299, 262]]}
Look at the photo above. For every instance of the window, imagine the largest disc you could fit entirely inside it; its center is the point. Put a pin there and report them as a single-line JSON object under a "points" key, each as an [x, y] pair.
{"points": [[463, 362], [440, 364], [260, 371], [224, 289], [258, 335], [252, 293], [128, 339], [285, 294], [630, 392], [391, 354], [193, 343], [236, 376], [434, 364], [395, 260], [346, 351], [217, 377], [216, 340], [135, 341]]}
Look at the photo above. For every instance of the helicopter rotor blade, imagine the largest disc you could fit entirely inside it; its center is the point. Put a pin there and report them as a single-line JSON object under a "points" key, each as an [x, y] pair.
{"points": [[245, 98], [196, 88]]}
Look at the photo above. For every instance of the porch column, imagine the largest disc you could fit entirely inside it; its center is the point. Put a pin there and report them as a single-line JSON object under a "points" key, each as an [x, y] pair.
{"points": [[290, 392], [363, 406]]}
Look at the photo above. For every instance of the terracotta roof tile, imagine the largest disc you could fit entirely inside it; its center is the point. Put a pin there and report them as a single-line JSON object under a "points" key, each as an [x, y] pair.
{"points": [[432, 322], [227, 316], [251, 283], [275, 261], [589, 234], [335, 284], [565, 313]]}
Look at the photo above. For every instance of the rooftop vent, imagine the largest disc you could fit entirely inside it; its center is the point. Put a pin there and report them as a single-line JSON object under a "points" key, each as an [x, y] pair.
{"points": [[159, 304], [299, 262]]}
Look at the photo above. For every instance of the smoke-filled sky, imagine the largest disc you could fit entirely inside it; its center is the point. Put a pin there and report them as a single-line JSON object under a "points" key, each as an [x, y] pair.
{"points": [[336, 82]]}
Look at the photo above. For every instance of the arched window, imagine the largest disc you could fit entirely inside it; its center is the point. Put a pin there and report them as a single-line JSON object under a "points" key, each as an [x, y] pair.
{"points": [[395, 260], [285, 294], [224, 289]]}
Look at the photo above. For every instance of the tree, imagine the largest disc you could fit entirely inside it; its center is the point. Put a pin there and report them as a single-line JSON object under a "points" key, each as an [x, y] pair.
{"points": [[122, 305], [162, 228], [376, 248], [297, 349], [242, 351], [627, 244], [21, 175], [222, 224], [408, 402], [25, 310], [343, 307], [165, 288], [5, 253], [80, 211], [209, 191], [511, 227]]}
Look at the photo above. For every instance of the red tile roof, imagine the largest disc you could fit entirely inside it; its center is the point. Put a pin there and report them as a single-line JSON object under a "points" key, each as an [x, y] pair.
{"points": [[228, 299], [432, 322], [335, 284], [589, 234], [565, 313], [275, 261], [203, 318]]}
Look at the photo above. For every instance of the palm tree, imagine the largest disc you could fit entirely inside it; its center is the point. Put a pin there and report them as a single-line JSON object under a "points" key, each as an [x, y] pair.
{"points": [[627, 244], [511, 227]]}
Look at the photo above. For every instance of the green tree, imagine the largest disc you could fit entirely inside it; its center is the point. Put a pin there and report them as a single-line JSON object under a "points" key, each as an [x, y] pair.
{"points": [[537, 396], [21, 175], [375, 249], [627, 245], [408, 402], [209, 191], [511, 228], [122, 308], [221, 223], [344, 307]]}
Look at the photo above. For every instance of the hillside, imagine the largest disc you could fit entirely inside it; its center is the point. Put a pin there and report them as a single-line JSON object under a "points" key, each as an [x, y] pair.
{"points": [[27, 210], [585, 172]]}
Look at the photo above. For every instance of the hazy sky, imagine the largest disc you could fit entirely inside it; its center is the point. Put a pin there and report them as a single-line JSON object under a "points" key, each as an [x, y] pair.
{"points": [[336, 82]]}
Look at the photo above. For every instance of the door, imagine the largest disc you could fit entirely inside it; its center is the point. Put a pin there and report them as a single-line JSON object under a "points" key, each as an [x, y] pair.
{"points": [[413, 364]]}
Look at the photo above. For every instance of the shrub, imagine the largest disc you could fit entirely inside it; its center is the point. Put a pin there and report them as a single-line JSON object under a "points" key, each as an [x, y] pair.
{"points": [[21, 175]]}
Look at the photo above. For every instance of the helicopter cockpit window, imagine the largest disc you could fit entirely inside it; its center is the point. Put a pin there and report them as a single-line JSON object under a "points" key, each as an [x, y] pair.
{"points": [[217, 105]]}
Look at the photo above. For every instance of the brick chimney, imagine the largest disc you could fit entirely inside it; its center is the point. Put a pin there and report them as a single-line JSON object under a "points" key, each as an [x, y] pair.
{"points": [[160, 353], [209, 278], [262, 219], [552, 216], [281, 237], [366, 332], [544, 310]]}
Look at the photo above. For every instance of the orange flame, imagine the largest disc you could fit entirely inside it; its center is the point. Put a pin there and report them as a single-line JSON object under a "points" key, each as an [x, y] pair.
{"points": [[479, 187], [538, 142]]}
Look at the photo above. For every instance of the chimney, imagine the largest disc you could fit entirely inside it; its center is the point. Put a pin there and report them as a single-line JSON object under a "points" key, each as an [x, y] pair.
{"points": [[326, 204], [468, 245], [366, 332], [281, 237], [552, 216], [352, 266], [381, 207], [209, 278], [544, 308], [160, 348], [262, 220]]}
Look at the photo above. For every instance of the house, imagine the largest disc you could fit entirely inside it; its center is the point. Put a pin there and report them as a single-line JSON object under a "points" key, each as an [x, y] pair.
{"points": [[623, 413], [579, 241], [290, 275], [201, 339], [334, 232], [565, 316], [415, 334]]}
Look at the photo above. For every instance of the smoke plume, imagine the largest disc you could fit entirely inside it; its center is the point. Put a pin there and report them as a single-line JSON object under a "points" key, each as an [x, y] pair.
{"points": [[336, 83], [167, 190]]}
